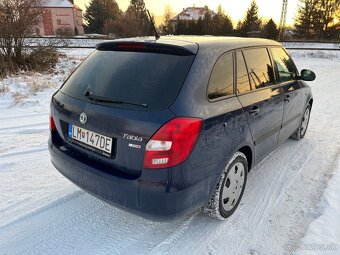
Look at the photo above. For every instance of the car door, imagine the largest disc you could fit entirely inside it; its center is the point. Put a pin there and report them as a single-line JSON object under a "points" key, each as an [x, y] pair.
{"points": [[287, 77], [261, 98], [222, 128]]}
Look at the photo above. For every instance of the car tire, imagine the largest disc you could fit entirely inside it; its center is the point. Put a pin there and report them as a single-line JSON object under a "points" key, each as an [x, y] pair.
{"points": [[229, 189], [302, 129]]}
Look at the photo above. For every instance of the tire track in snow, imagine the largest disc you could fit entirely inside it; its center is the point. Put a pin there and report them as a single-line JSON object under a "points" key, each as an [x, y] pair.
{"points": [[23, 134], [175, 237], [25, 116], [304, 150], [89, 226], [38, 226], [15, 128], [248, 214], [275, 191], [27, 178], [16, 122], [142, 237], [52, 220], [23, 153], [14, 222]]}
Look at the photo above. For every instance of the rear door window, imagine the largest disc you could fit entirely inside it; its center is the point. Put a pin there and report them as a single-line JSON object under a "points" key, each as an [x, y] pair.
{"points": [[284, 65], [260, 68], [138, 77], [221, 82], [242, 80]]}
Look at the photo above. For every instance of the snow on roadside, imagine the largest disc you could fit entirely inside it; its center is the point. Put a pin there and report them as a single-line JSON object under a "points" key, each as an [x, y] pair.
{"points": [[324, 54], [323, 234], [77, 53], [33, 89], [302, 45]]}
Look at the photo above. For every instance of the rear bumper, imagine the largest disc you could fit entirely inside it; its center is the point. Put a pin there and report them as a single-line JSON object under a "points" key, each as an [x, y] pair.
{"points": [[151, 195]]}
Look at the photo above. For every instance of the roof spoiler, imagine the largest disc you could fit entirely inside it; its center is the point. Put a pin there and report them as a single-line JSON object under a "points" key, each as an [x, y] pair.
{"points": [[151, 47]]}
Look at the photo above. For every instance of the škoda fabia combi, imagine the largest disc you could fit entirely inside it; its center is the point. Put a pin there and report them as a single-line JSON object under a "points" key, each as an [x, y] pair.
{"points": [[164, 127]]}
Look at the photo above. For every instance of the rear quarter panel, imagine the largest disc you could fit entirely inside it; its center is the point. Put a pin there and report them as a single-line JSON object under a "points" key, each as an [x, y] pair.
{"points": [[225, 127]]}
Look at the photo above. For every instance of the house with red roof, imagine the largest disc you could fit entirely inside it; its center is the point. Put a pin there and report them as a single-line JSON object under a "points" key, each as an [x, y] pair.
{"points": [[58, 16]]}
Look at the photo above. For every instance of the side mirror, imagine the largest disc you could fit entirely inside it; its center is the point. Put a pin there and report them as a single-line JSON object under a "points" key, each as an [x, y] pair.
{"points": [[307, 75]]}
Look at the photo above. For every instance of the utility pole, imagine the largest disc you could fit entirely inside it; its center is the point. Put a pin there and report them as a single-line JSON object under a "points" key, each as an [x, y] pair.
{"points": [[283, 19]]}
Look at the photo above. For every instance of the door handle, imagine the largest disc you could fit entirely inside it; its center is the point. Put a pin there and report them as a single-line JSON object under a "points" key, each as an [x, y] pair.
{"points": [[254, 110], [287, 98]]}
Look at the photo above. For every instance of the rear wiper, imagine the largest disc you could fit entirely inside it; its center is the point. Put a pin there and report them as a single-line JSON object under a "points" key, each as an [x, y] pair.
{"points": [[95, 98]]}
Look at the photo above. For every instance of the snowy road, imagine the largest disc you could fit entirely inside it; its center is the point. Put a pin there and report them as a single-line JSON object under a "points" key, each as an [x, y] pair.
{"points": [[43, 213]]}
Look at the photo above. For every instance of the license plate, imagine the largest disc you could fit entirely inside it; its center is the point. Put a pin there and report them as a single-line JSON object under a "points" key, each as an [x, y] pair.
{"points": [[90, 140]]}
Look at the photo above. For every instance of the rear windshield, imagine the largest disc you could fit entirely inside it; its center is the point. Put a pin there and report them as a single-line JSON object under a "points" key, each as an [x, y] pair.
{"points": [[143, 78]]}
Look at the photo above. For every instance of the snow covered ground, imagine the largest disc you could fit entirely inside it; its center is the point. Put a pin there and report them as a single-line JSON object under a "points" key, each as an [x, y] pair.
{"points": [[291, 203], [301, 45], [319, 234]]}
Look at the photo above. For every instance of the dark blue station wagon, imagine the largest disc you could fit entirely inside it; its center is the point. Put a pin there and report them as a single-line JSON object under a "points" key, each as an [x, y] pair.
{"points": [[164, 127]]}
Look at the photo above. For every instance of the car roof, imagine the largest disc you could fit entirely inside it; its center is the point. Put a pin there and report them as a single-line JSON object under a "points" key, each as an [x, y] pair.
{"points": [[211, 41], [232, 42], [194, 42]]}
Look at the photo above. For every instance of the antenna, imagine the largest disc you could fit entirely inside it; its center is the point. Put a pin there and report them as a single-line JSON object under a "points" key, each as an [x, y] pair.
{"points": [[153, 26]]}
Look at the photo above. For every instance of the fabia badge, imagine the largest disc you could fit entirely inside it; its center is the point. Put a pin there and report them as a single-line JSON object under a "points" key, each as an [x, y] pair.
{"points": [[83, 118]]}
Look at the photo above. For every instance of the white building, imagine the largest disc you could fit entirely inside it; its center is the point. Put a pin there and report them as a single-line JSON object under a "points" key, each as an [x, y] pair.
{"points": [[191, 14]]}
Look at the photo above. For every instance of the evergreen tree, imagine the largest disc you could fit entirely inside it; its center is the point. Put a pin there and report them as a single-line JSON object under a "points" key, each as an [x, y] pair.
{"points": [[136, 20], [222, 24], [314, 17], [238, 29], [191, 28], [328, 11], [270, 30], [252, 22], [217, 24], [180, 27], [207, 24], [306, 18], [98, 13], [199, 26]]}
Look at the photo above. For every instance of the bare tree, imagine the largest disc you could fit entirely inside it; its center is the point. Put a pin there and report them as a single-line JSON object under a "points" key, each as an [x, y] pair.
{"points": [[18, 18], [167, 27]]}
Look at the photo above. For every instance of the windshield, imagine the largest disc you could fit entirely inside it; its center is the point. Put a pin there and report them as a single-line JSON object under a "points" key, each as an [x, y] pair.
{"points": [[137, 77]]}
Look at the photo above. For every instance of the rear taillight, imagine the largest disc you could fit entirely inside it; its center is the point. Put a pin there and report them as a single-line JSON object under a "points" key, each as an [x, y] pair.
{"points": [[172, 143], [52, 124]]}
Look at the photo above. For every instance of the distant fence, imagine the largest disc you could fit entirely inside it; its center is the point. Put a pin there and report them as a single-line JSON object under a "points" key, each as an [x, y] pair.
{"points": [[330, 49], [106, 38], [93, 47], [63, 47], [90, 43], [287, 47]]}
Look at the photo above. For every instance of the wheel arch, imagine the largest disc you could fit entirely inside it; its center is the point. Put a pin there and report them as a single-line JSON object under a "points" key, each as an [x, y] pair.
{"points": [[310, 102], [248, 152]]}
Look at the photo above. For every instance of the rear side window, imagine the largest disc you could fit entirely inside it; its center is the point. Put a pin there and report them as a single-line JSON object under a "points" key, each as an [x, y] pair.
{"points": [[242, 79], [138, 77], [284, 65], [222, 78], [260, 67]]}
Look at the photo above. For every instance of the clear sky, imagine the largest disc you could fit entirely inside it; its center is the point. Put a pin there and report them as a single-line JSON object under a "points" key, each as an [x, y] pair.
{"points": [[235, 8]]}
